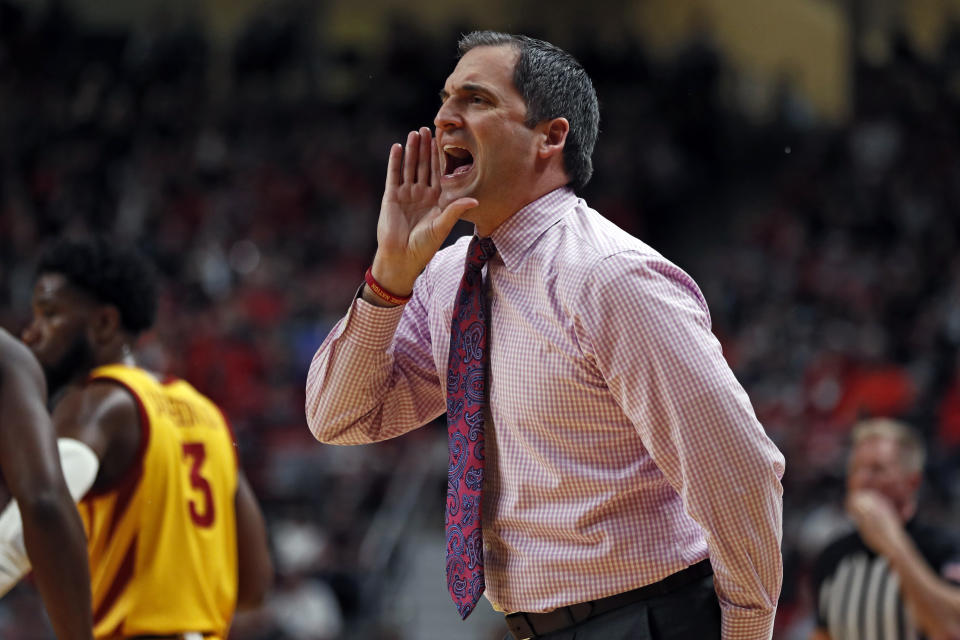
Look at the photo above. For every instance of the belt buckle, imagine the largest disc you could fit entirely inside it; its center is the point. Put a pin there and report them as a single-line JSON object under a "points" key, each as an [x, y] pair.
{"points": [[192, 635]]}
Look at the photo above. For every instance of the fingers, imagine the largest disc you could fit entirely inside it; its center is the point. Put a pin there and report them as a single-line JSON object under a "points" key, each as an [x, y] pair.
{"points": [[858, 501], [854, 507], [868, 506], [415, 162], [437, 163], [425, 156], [410, 157], [394, 164]]}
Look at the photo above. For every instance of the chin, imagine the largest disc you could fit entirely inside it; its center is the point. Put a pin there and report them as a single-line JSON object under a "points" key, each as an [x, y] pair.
{"points": [[77, 361]]}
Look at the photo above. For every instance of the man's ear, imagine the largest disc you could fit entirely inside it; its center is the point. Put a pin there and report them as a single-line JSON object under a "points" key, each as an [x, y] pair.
{"points": [[554, 137], [106, 323]]}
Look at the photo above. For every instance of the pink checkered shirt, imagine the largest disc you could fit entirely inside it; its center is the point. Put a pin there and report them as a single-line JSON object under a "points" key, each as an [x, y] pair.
{"points": [[621, 447]]}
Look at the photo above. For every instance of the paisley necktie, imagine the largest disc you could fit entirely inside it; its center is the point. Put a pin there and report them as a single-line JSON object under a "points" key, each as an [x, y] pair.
{"points": [[466, 401]]}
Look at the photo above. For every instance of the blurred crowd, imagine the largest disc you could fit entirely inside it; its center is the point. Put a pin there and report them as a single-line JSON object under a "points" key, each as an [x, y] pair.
{"points": [[252, 177], [836, 294]]}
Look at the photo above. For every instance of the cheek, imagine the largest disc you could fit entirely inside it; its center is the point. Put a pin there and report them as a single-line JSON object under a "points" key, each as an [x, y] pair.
{"points": [[49, 345], [56, 335], [39, 331]]}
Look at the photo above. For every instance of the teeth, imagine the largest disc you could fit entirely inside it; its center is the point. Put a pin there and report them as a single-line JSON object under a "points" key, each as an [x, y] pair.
{"points": [[455, 151]]}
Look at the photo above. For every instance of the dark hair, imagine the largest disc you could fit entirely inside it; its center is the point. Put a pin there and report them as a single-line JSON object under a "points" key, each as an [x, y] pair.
{"points": [[109, 273], [553, 85]]}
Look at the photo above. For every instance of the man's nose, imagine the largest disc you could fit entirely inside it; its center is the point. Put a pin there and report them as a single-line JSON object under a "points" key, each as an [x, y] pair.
{"points": [[30, 334], [447, 116]]}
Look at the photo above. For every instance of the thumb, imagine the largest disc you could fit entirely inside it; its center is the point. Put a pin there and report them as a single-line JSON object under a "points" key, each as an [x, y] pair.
{"points": [[443, 223]]}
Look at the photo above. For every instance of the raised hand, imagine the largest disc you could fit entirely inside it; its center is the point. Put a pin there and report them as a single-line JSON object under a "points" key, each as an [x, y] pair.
{"points": [[877, 521], [412, 225]]}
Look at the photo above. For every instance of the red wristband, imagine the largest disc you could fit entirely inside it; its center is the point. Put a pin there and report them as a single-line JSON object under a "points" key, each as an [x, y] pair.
{"points": [[382, 293]]}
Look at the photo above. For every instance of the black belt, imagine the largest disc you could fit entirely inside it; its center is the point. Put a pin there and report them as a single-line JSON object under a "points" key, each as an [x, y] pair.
{"points": [[532, 625]]}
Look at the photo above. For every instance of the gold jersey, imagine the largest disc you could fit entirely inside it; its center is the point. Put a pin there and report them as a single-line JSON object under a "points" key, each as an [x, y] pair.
{"points": [[162, 542]]}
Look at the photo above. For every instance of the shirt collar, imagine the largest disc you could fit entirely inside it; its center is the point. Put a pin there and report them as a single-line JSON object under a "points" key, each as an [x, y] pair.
{"points": [[516, 235]]}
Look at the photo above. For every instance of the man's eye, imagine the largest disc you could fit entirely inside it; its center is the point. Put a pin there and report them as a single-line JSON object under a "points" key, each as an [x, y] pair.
{"points": [[478, 100]]}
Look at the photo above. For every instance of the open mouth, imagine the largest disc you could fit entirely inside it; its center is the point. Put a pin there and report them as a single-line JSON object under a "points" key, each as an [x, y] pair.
{"points": [[457, 160]]}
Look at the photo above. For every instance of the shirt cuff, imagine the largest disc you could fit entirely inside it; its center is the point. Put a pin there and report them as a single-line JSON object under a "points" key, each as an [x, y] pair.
{"points": [[370, 326], [746, 624]]}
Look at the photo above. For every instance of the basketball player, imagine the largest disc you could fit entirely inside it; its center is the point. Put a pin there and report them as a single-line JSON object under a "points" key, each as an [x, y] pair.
{"points": [[176, 538]]}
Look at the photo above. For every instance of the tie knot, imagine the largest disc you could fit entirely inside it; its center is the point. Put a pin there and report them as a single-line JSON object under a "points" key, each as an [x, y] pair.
{"points": [[479, 251]]}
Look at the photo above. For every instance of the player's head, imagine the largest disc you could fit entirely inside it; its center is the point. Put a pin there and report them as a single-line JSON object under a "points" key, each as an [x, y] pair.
{"points": [[887, 457], [91, 299], [553, 84]]}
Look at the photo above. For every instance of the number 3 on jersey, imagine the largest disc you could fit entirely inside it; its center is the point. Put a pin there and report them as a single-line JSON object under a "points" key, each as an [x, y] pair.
{"points": [[196, 454]]}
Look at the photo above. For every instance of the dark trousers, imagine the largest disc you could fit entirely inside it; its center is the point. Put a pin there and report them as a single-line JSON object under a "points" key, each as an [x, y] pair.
{"points": [[689, 613]]}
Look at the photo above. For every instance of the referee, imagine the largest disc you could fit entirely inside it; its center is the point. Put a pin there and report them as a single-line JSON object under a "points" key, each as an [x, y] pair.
{"points": [[891, 578]]}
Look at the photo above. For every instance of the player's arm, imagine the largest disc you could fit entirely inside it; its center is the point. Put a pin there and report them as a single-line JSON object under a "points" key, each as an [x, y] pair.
{"points": [[255, 566], [44, 521], [104, 418]]}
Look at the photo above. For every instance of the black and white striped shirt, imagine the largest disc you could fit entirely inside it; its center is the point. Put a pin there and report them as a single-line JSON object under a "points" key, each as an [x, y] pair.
{"points": [[858, 596]]}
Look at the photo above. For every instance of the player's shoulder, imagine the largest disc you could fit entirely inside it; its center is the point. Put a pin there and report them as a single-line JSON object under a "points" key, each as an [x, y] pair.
{"points": [[103, 400], [119, 384]]}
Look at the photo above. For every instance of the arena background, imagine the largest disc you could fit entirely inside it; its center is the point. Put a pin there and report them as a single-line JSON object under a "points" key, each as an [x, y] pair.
{"points": [[800, 158]]}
